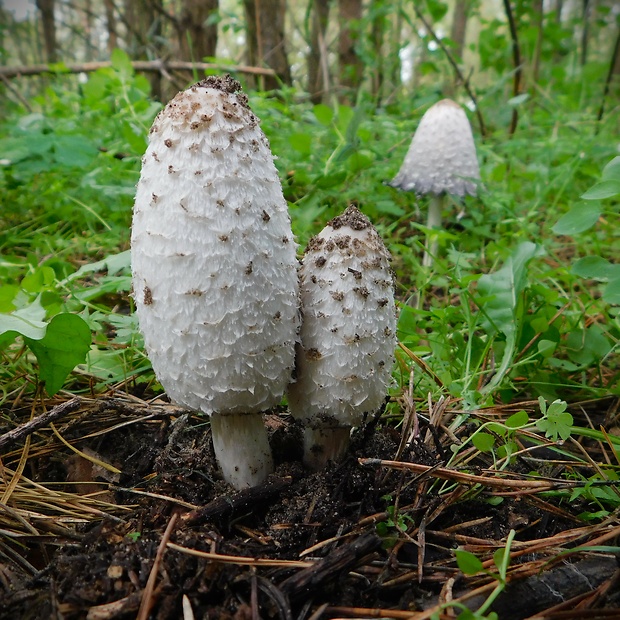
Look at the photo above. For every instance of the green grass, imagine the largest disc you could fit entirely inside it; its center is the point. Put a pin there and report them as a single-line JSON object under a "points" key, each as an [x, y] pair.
{"points": [[521, 302]]}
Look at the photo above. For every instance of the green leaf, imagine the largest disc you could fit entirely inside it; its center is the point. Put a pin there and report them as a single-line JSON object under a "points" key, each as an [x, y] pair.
{"points": [[323, 113], [483, 441], [121, 63], [15, 325], [595, 268], [467, 562], [64, 346], [611, 294], [518, 100], [74, 151], [301, 142], [579, 219], [556, 421], [604, 189], [503, 288], [611, 172], [517, 420]]}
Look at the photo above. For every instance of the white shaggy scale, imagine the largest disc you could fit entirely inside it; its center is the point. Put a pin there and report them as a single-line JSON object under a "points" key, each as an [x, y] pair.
{"points": [[348, 334], [213, 256]]}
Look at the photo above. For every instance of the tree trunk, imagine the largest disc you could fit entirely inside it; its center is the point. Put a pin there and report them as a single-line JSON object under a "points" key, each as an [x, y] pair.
{"points": [[350, 64], [585, 33], [142, 19], [457, 36], [46, 8], [110, 20], [539, 15], [318, 66], [459, 26], [379, 25], [266, 43], [196, 39]]}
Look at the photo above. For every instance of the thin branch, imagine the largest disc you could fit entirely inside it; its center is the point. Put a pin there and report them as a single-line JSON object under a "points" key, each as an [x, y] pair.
{"points": [[516, 57], [138, 65], [456, 68], [610, 75], [39, 422]]}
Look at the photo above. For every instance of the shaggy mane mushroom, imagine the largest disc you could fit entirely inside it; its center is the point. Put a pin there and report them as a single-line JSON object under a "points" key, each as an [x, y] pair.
{"points": [[441, 160], [348, 335], [214, 270]]}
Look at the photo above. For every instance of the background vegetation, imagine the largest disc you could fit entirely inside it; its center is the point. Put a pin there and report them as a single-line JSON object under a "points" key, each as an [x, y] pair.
{"points": [[521, 305], [523, 298]]}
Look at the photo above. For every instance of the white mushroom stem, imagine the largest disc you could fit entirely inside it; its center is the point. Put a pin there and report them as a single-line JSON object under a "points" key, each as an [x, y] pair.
{"points": [[435, 209], [322, 445], [241, 448]]}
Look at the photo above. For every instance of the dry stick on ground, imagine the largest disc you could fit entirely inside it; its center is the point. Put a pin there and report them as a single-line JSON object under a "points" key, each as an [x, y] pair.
{"points": [[343, 559], [223, 506], [39, 422], [462, 477], [147, 597], [138, 65]]}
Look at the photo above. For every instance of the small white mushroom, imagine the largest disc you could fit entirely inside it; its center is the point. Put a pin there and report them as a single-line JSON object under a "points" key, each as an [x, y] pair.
{"points": [[215, 270], [348, 335], [441, 160]]}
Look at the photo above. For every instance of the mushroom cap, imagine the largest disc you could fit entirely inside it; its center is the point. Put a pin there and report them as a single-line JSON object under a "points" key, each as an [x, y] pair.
{"points": [[348, 333], [442, 155], [213, 255]]}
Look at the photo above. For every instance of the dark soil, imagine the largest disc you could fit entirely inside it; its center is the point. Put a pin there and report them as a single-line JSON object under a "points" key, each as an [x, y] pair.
{"points": [[375, 542]]}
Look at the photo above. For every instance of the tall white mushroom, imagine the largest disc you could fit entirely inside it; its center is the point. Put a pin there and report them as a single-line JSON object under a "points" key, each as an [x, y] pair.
{"points": [[441, 160], [215, 271], [348, 335]]}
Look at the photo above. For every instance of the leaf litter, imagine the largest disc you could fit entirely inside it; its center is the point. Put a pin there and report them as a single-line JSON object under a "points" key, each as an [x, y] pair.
{"points": [[113, 507]]}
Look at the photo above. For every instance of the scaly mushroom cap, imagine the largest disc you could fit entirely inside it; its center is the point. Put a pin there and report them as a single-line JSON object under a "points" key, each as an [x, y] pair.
{"points": [[213, 256], [348, 333], [442, 154]]}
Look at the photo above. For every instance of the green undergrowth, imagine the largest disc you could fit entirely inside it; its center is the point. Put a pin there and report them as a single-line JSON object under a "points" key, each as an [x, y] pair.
{"points": [[521, 301]]}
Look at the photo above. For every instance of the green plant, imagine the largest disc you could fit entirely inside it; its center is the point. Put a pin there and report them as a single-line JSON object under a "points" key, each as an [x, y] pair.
{"points": [[470, 565]]}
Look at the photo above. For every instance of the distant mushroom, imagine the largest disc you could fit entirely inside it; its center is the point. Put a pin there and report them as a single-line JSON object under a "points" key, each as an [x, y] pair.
{"points": [[215, 273], [348, 335], [441, 160]]}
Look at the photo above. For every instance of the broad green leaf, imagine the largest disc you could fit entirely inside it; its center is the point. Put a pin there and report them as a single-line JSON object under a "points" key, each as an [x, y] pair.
{"points": [[517, 420], [611, 172], [467, 562], [323, 113], [611, 294], [483, 441], [503, 288], [595, 268], [74, 151], [113, 264], [64, 346], [22, 326], [604, 189], [301, 142], [580, 218], [39, 279], [518, 100], [121, 63]]}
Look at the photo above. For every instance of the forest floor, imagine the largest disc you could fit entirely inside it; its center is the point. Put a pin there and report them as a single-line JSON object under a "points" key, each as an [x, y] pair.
{"points": [[116, 510]]}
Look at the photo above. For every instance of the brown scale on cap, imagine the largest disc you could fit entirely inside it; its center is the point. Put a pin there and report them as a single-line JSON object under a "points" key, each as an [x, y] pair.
{"points": [[352, 217]]}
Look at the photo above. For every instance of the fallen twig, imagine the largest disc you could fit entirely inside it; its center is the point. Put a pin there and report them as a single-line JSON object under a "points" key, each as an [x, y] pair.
{"points": [[147, 597], [138, 65], [27, 428], [457, 476]]}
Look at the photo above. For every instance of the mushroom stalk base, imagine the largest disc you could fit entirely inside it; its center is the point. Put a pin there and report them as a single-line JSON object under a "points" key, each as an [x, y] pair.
{"points": [[322, 445], [435, 209], [241, 448]]}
